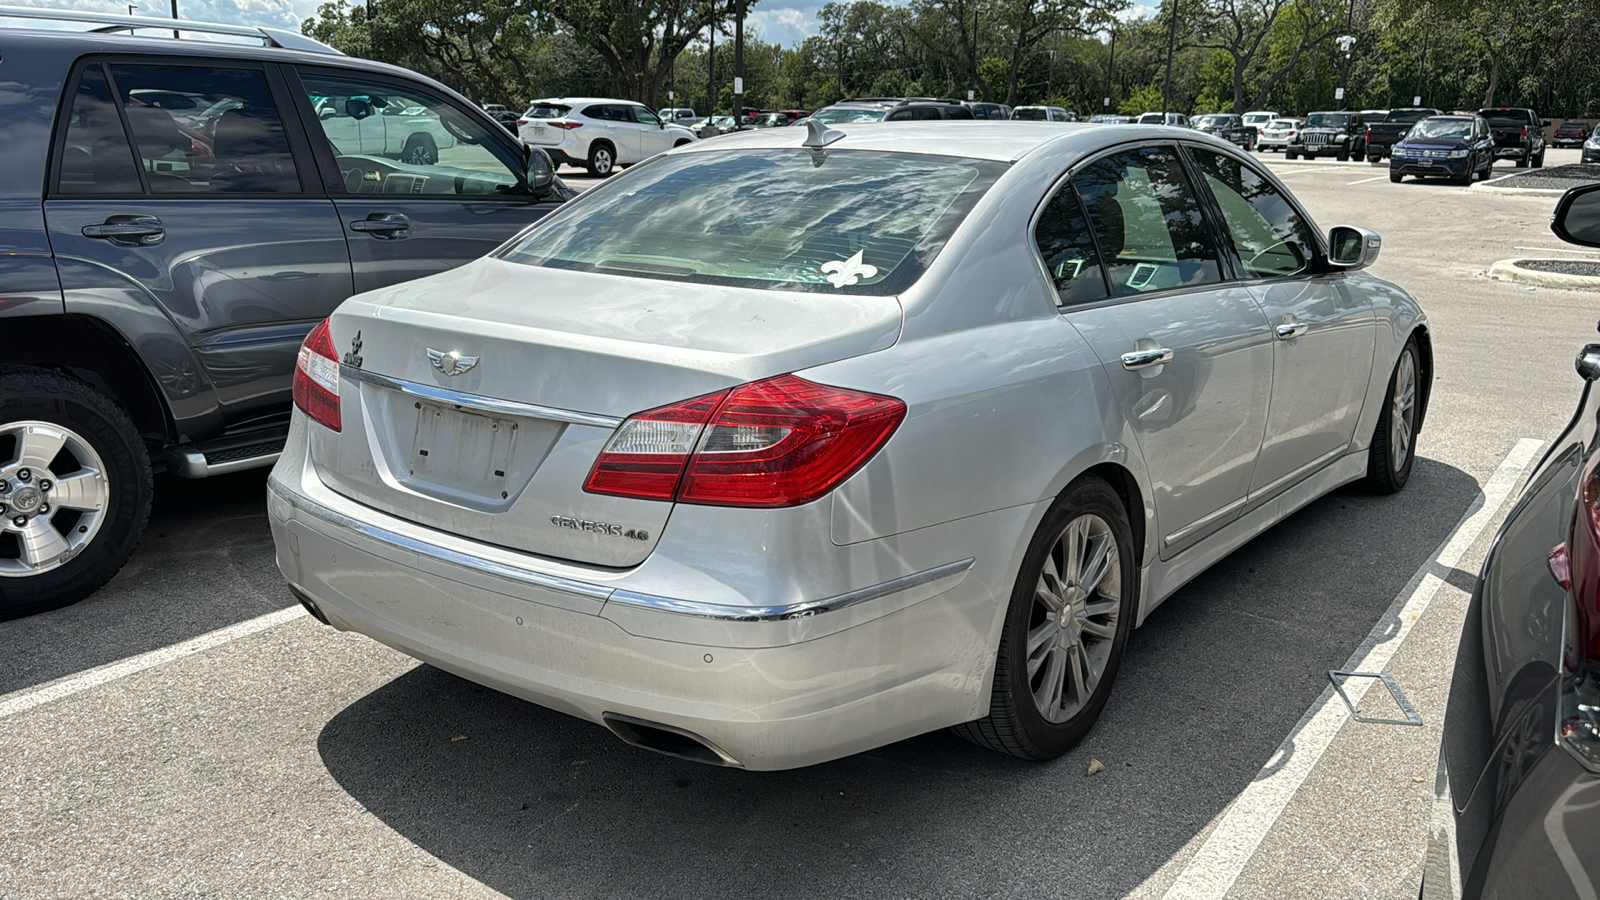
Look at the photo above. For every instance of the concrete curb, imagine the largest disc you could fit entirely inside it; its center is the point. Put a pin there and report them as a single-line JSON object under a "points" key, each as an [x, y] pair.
{"points": [[1508, 270]]}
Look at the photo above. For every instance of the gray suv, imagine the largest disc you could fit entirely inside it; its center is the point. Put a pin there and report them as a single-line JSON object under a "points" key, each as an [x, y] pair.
{"points": [[175, 216]]}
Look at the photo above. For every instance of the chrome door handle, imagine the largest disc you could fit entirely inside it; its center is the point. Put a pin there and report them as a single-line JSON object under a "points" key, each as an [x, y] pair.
{"points": [[1288, 331], [1144, 359]]}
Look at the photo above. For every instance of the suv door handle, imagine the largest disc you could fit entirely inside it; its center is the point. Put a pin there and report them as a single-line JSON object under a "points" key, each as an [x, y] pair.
{"points": [[1143, 359], [383, 224], [1288, 331], [135, 230]]}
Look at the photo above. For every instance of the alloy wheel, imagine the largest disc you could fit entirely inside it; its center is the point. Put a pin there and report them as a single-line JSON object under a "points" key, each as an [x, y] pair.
{"points": [[54, 495], [1403, 410], [1073, 623]]}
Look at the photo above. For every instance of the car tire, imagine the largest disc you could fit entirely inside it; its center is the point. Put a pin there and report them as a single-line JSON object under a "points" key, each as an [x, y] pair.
{"points": [[1523, 160], [1374, 160], [1041, 714], [1290, 154], [1342, 156], [1395, 177], [1393, 449], [1538, 161], [680, 143], [100, 460], [420, 150], [602, 159]]}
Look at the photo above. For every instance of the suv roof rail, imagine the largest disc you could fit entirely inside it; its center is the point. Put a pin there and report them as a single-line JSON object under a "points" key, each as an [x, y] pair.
{"points": [[113, 22]]}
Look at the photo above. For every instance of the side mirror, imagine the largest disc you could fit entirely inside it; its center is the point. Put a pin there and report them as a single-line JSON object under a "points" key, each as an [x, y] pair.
{"points": [[356, 108], [1588, 362], [1353, 248], [1577, 216], [541, 173], [662, 126]]}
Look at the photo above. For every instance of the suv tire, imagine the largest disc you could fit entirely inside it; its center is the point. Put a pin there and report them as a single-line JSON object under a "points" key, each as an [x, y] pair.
{"points": [[420, 150], [1538, 161], [97, 427], [602, 159]]}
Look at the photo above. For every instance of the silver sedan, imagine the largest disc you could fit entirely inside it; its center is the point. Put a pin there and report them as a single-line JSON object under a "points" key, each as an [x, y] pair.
{"points": [[793, 444]]}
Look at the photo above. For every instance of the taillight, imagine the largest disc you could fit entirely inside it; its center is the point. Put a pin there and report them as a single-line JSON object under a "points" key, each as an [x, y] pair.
{"points": [[1369, 134], [567, 125], [1576, 565], [1524, 132], [784, 441], [521, 122], [316, 377]]}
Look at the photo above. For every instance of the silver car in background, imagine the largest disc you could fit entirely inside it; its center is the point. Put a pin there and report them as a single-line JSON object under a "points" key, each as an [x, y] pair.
{"points": [[790, 445]]}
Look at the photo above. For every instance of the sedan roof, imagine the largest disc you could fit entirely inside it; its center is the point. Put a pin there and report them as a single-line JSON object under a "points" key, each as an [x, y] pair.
{"points": [[1006, 141]]}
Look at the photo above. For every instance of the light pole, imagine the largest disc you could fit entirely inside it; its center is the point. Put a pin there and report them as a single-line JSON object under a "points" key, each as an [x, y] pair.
{"points": [[738, 64], [1111, 68], [1172, 39], [1422, 70], [711, 70], [1345, 43]]}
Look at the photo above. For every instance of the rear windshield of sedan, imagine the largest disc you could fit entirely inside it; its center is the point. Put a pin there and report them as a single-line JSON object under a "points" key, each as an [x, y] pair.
{"points": [[844, 221], [1327, 120], [1434, 129]]}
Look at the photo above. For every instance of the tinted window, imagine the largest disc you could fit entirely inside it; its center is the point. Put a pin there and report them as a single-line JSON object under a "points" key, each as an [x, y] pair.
{"points": [[1272, 239], [1147, 220], [1408, 116], [849, 221], [389, 139], [1031, 115], [1329, 120], [547, 111], [95, 157], [1506, 118], [1068, 249], [235, 144], [644, 116], [960, 112]]}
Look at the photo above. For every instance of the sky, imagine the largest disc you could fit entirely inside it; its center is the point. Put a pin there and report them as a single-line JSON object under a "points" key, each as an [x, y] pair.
{"points": [[786, 22]]}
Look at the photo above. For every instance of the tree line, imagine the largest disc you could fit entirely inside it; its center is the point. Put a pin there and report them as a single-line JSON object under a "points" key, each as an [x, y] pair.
{"points": [[1188, 56]]}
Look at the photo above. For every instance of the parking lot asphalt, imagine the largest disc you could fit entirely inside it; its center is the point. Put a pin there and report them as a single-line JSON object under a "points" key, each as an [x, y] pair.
{"points": [[287, 759]]}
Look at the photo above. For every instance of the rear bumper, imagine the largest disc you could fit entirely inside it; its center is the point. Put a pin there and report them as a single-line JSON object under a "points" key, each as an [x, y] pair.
{"points": [[1515, 152], [1590, 156], [766, 688]]}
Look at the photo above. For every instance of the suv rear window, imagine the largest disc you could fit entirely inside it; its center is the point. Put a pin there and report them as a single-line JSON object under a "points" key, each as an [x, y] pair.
{"points": [[1504, 118], [1031, 115], [848, 221], [547, 111]]}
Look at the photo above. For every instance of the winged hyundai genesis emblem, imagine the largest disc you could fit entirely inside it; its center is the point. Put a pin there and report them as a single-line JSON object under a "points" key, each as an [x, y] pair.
{"points": [[451, 363]]}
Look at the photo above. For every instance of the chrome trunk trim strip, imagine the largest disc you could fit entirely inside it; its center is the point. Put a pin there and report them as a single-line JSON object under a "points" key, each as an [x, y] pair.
{"points": [[476, 402]]}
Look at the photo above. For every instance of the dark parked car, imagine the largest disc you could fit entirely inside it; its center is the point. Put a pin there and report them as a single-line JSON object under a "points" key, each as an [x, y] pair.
{"points": [[983, 110], [1229, 127], [1518, 135], [1570, 134], [1338, 134], [921, 112], [156, 282], [1517, 808], [1591, 147], [1385, 133], [1456, 147]]}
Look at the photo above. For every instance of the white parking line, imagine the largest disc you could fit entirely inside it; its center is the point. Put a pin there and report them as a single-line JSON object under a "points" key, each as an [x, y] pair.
{"points": [[1365, 180], [28, 698], [1211, 872], [1557, 249]]}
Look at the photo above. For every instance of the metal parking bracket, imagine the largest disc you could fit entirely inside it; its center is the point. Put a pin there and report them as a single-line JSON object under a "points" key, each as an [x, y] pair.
{"points": [[1411, 716]]}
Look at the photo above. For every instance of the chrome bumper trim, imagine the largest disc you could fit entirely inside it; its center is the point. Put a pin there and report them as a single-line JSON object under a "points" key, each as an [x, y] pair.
{"points": [[694, 608], [465, 561], [807, 609], [477, 402], [192, 463]]}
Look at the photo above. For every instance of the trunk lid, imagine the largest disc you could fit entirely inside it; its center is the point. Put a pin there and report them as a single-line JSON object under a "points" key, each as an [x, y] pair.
{"points": [[547, 362]]}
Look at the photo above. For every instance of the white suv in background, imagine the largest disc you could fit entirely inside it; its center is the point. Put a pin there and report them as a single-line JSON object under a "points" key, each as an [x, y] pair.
{"points": [[598, 134]]}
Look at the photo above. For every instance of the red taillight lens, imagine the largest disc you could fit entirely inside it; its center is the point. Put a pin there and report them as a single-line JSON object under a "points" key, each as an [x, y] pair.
{"points": [[567, 125], [1369, 135], [1524, 132], [316, 377], [1576, 565], [522, 121], [780, 442]]}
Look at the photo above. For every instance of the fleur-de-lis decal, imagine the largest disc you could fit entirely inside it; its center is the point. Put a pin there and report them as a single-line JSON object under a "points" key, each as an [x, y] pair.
{"points": [[849, 271]]}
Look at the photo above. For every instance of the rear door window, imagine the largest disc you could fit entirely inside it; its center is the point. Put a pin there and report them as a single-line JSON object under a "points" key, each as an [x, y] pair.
{"points": [[230, 141], [1147, 221], [1068, 249]]}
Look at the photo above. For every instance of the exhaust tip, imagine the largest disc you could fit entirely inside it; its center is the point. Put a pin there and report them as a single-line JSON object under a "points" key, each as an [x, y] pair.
{"points": [[310, 605], [668, 739]]}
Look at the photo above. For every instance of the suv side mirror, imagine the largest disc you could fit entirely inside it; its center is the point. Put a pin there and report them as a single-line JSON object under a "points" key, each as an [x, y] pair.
{"points": [[541, 173], [1353, 248], [1577, 216]]}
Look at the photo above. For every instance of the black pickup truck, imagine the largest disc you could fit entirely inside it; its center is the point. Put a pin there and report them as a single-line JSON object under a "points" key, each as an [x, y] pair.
{"points": [[1518, 135], [1229, 127], [1381, 136]]}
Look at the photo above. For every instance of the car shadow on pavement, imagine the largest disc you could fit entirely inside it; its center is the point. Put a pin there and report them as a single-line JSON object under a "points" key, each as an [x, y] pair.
{"points": [[206, 562], [533, 803]]}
